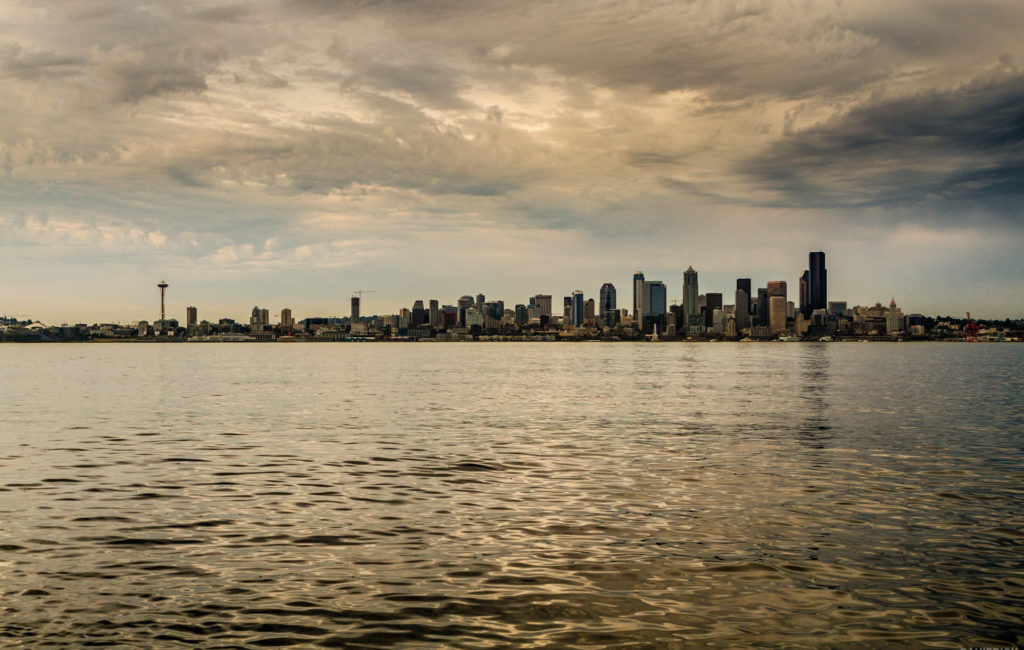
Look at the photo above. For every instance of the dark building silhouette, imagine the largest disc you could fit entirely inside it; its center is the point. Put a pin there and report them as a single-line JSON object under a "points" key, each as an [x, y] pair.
{"points": [[817, 281], [712, 301]]}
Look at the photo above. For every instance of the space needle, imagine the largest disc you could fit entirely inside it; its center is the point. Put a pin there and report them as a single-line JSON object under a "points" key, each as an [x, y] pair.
{"points": [[163, 288]]}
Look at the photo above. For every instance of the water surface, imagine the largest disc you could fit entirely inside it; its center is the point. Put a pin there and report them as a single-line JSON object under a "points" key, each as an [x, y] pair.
{"points": [[534, 495]]}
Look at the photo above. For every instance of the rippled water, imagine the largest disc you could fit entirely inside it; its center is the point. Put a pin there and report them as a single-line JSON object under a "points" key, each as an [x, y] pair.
{"points": [[536, 495]]}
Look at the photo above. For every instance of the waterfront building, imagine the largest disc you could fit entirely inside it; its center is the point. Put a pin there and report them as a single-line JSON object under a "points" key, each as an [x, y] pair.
{"points": [[894, 319], [817, 281], [522, 315], [543, 304], [576, 315], [805, 295], [638, 297], [191, 316], [419, 314], [718, 321], [712, 301], [655, 303], [465, 302], [434, 315], [777, 309], [742, 310], [355, 308], [762, 307], [691, 295], [836, 308], [287, 322], [607, 305]]}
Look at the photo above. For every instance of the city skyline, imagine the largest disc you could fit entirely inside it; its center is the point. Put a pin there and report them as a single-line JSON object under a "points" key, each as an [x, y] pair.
{"points": [[298, 150]]}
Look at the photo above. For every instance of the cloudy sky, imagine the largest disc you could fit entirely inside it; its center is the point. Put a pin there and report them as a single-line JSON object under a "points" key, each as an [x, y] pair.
{"points": [[287, 153]]}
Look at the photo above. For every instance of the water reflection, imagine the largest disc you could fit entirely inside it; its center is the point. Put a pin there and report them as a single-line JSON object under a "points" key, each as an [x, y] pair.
{"points": [[814, 388], [488, 495]]}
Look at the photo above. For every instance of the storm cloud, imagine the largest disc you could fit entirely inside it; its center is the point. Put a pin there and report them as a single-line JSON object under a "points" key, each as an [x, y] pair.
{"points": [[317, 144]]}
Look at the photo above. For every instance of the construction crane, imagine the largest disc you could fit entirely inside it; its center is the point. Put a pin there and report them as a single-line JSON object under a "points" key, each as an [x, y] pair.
{"points": [[360, 293], [970, 330]]}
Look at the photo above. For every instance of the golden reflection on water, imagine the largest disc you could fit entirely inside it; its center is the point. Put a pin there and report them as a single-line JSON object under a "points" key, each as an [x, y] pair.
{"points": [[487, 495]]}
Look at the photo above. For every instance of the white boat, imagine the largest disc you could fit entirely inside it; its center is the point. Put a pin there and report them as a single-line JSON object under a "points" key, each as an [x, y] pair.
{"points": [[790, 339]]}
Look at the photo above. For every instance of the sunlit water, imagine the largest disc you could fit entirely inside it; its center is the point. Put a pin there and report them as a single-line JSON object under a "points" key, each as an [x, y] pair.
{"points": [[533, 495]]}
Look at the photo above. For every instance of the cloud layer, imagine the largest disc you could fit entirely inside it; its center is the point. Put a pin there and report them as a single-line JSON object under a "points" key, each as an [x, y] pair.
{"points": [[293, 151]]}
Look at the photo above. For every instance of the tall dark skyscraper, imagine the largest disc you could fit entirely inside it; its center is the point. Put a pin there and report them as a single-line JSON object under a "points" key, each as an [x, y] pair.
{"points": [[805, 294], [743, 284], [638, 296], [419, 315], [712, 301], [606, 311], [762, 306], [817, 281]]}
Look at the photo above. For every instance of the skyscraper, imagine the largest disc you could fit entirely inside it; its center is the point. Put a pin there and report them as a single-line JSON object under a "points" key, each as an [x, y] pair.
{"points": [[742, 310], [743, 284], [805, 294], [287, 322], [777, 309], [191, 316], [762, 306], [577, 308], [712, 301], [690, 296], [817, 281], [638, 298], [777, 289], [465, 302], [606, 309], [355, 308], [419, 314], [588, 310], [434, 315], [543, 302]]}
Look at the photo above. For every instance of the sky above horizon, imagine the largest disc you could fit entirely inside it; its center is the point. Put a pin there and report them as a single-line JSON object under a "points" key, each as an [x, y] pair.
{"points": [[286, 154]]}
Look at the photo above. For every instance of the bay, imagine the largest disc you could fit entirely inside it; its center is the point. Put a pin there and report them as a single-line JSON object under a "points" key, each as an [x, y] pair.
{"points": [[520, 494]]}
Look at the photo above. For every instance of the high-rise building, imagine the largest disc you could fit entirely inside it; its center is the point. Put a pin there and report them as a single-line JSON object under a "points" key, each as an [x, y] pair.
{"points": [[607, 309], [480, 300], [777, 289], [588, 310], [762, 307], [577, 308], [817, 281], [691, 294], [287, 322], [655, 306], [434, 316], [638, 297], [419, 314], [777, 309], [712, 301], [543, 303], [355, 308], [191, 316], [743, 284], [566, 310], [742, 310], [607, 297], [805, 294], [465, 302], [522, 315]]}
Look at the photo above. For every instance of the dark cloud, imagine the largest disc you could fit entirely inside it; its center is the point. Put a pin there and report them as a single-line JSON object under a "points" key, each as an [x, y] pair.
{"points": [[18, 63], [135, 75], [965, 145]]}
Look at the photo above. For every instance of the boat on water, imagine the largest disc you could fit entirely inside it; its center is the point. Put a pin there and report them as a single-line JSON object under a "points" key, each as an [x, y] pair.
{"points": [[826, 339], [790, 339]]}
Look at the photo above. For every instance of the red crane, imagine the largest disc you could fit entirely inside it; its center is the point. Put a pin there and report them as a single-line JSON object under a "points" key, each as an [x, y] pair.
{"points": [[970, 330]]}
